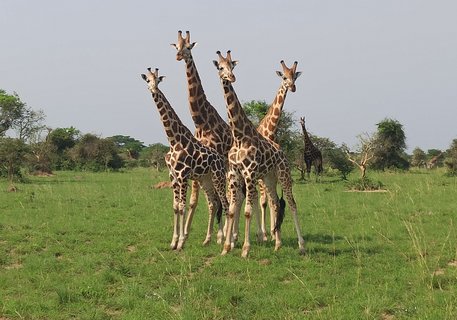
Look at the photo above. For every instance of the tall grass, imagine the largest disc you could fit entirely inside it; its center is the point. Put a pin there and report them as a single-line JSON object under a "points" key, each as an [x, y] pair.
{"points": [[95, 246]]}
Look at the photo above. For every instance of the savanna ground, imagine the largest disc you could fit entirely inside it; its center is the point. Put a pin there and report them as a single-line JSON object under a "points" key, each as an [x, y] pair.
{"points": [[95, 246]]}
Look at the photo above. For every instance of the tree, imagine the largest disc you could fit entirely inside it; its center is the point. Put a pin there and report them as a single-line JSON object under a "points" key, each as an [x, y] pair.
{"points": [[95, 154], [29, 124], [390, 145], [451, 159], [154, 155], [128, 145], [12, 154], [338, 160], [62, 140], [364, 153], [11, 109], [419, 158], [42, 155]]}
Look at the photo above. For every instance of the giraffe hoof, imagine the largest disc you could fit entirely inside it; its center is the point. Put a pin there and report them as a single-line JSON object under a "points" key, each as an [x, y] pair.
{"points": [[277, 246], [245, 252], [206, 242], [227, 248], [302, 251]]}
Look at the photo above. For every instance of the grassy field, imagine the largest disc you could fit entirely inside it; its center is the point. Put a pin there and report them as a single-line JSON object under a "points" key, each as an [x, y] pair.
{"points": [[95, 246]]}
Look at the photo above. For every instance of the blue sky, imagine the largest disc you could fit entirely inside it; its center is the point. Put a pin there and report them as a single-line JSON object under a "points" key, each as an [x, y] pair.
{"points": [[362, 61]]}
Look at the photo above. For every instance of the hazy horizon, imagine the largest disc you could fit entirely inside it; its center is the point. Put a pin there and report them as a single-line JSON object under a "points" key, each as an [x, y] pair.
{"points": [[361, 62]]}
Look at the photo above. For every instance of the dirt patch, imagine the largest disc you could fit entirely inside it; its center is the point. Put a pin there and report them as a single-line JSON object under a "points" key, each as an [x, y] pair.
{"points": [[387, 316], [452, 263], [13, 266]]}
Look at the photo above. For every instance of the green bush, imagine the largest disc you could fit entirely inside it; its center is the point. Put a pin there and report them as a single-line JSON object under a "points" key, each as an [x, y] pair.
{"points": [[364, 184]]}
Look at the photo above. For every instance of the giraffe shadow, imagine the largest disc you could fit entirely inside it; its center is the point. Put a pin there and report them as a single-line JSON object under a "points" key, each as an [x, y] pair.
{"points": [[333, 245]]}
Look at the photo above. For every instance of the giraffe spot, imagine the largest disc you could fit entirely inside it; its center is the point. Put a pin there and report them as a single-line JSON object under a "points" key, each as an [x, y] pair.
{"points": [[280, 100], [230, 99], [226, 90]]}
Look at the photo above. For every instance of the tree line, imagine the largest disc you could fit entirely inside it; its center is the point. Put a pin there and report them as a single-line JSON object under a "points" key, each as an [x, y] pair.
{"points": [[27, 145]]}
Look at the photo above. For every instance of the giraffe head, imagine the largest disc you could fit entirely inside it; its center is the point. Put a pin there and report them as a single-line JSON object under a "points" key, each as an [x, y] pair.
{"points": [[289, 75], [184, 46], [153, 79], [225, 66], [302, 121]]}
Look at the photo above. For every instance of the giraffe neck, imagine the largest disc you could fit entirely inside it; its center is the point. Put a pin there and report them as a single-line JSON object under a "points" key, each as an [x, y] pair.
{"points": [[241, 126], [198, 102], [174, 128], [306, 139], [268, 126]]}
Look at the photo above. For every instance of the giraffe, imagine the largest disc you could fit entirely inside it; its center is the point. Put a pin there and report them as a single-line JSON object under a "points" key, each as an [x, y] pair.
{"points": [[188, 159], [268, 127], [210, 129], [433, 161], [252, 157], [311, 153]]}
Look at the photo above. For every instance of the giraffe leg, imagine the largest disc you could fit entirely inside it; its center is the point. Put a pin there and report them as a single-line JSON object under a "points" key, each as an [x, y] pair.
{"points": [[286, 183], [181, 214], [213, 206], [234, 206], [263, 210], [251, 199], [270, 182], [219, 183], [176, 196], [192, 206]]}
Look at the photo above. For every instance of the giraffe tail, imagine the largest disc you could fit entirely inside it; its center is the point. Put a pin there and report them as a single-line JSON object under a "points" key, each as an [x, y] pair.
{"points": [[281, 213]]}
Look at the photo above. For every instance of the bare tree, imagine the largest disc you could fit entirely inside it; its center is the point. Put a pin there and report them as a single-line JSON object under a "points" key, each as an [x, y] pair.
{"points": [[364, 153]]}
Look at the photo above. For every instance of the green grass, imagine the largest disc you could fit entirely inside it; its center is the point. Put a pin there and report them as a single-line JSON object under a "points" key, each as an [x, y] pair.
{"points": [[95, 246]]}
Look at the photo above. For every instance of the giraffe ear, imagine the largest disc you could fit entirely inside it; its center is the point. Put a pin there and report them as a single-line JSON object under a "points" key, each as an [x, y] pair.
{"points": [[279, 73], [216, 64], [144, 77], [174, 45], [193, 44], [161, 78], [297, 74], [235, 63]]}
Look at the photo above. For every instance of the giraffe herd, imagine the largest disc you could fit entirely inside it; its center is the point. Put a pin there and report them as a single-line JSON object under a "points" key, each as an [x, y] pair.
{"points": [[225, 160]]}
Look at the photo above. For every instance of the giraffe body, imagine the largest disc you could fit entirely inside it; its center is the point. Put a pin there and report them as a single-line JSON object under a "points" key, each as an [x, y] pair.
{"points": [[188, 159], [252, 157], [210, 129], [311, 154]]}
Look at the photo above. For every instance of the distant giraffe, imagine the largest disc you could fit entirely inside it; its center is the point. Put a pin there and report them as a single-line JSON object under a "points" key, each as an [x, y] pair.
{"points": [[252, 157], [433, 161], [188, 159], [210, 129], [311, 154], [269, 124]]}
